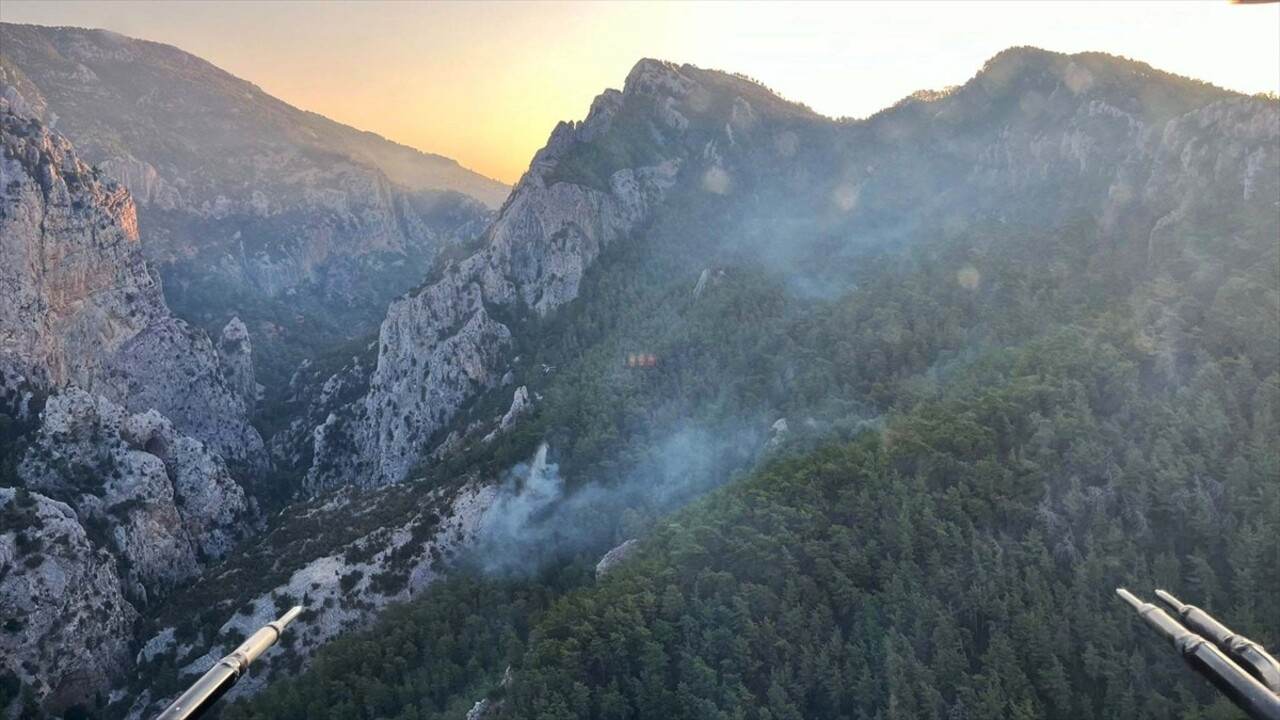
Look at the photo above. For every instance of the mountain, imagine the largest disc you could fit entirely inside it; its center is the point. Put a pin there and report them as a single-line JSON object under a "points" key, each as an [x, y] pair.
{"points": [[119, 95], [83, 308], [999, 284], [303, 227], [958, 371], [1034, 138], [118, 428]]}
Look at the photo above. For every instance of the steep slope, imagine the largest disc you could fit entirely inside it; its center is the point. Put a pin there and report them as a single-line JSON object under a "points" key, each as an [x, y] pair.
{"points": [[65, 613], [81, 306], [441, 346], [1034, 138], [113, 94], [119, 428], [303, 227]]}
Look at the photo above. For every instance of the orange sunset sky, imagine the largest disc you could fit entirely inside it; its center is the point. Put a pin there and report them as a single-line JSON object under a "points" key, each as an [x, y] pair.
{"points": [[484, 83]]}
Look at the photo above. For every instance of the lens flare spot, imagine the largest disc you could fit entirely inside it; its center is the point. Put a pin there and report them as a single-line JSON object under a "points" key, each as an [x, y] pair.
{"points": [[968, 277], [785, 144], [1078, 79], [845, 197], [716, 181]]}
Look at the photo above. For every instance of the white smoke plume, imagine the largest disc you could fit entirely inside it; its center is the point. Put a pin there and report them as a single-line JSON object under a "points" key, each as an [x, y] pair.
{"points": [[535, 519]]}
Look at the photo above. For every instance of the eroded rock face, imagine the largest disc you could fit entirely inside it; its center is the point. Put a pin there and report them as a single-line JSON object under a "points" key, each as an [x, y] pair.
{"points": [[440, 347], [76, 287], [118, 511], [66, 625], [519, 405], [235, 354], [143, 181], [161, 502], [82, 308], [239, 191]]}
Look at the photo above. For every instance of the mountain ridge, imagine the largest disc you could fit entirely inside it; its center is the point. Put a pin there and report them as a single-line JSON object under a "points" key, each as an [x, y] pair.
{"points": [[182, 57], [1019, 342], [669, 118]]}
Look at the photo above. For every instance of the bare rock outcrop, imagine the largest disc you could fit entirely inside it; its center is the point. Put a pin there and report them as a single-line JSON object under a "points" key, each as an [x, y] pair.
{"points": [[441, 347], [117, 510], [235, 354], [66, 626], [161, 502], [81, 307]]}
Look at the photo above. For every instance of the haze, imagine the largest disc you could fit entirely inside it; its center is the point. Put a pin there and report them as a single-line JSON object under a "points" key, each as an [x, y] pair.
{"points": [[484, 83]]}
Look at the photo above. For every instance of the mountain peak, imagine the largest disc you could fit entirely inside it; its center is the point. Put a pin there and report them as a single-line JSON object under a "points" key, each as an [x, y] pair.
{"points": [[654, 77], [1121, 82], [657, 78]]}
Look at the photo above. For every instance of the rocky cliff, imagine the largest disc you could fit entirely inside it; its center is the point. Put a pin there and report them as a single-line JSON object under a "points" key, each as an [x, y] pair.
{"points": [[66, 624], [441, 346], [235, 354], [302, 227], [113, 513], [119, 427], [163, 502], [81, 306]]}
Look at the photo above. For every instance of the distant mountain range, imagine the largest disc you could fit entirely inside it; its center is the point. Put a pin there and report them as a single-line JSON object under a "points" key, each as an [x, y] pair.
{"points": [[203, 130]]}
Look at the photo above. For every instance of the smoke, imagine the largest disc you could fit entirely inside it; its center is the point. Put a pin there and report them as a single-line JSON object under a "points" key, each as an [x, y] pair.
{"points": [[537, 518]]}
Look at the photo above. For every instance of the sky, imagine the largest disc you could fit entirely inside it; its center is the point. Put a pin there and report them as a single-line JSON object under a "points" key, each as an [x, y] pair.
{"points": [[485, 82]]}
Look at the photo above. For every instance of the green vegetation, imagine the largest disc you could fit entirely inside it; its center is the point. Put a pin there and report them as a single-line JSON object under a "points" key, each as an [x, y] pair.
{"points": [[991, 432], [959, 564], [439, 650]]}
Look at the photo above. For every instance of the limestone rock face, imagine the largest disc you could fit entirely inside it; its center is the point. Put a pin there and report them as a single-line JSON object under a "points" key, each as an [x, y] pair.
{"points": [[235, 355], [615, 557], [440, 347], [143, 181], [163, 502], [519, 405], [82, 308], [126, 458], [76, 287], [66, 623], [118, 511], [238, 190]]}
